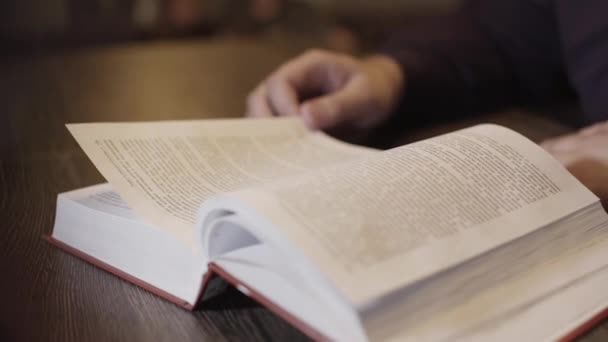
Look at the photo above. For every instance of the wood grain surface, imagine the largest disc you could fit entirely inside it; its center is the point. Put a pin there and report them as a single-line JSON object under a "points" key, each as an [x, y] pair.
{"points": [[51, 296], [48, 295]]}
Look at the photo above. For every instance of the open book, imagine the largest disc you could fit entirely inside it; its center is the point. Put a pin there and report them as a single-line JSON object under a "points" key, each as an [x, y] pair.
{"points": [[473, 235]]}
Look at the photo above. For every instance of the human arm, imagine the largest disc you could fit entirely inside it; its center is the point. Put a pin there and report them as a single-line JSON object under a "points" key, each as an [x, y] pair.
{"points": [[488, 55]]}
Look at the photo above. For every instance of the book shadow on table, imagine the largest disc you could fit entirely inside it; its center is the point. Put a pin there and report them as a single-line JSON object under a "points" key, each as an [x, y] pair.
{"points": [[230, 298]]}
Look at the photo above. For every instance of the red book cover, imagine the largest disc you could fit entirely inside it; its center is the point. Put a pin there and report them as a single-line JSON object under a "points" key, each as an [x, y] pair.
{"points": [[109, 268]]}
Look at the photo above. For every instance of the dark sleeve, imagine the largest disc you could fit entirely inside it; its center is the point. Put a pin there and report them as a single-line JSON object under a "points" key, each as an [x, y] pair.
{"points": [[489, 55], [583, 27]]}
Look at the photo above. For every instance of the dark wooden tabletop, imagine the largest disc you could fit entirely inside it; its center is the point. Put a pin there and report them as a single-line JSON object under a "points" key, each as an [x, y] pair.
{"points": [[50, 295]]}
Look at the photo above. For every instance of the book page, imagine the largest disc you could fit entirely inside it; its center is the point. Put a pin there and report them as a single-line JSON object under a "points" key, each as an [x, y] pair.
{"points": [[499, 310], [165, 170], [385, 221]]}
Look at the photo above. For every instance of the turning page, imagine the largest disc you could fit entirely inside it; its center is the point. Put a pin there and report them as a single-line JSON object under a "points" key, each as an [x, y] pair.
{"points": [[387, 220], [166, 169]]}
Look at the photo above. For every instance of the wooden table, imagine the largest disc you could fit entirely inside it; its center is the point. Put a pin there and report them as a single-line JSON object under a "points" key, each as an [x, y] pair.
{"points": [[50, 295]]}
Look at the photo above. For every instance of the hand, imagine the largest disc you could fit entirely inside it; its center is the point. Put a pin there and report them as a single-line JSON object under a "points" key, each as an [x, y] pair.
{"points": [[329, 90], [585, 155]]}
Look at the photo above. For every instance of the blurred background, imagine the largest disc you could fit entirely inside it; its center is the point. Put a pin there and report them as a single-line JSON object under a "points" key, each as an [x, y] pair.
{"points": [[344, 25], [129, 60]]}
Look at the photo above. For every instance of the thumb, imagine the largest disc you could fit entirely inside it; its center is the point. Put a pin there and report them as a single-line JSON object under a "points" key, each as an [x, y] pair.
{"points": [[333, 109]]}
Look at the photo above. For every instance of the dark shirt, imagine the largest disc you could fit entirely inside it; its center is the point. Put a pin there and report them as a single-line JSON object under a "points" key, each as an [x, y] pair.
{"points": [[497, 53]]}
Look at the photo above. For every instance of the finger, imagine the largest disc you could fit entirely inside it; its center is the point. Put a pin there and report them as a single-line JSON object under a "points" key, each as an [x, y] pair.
{"points": [[566, 143], [257, 103], [565, 158], [591, 148], [329, 110], [595, 129], [547, 144], [297, 79], [282, 97], [597, 147], [315, 73]]}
